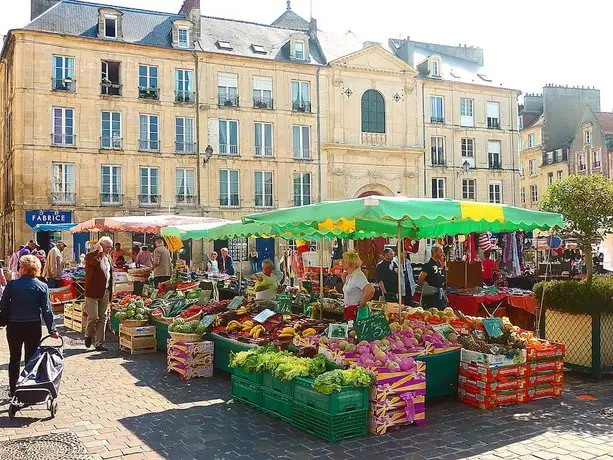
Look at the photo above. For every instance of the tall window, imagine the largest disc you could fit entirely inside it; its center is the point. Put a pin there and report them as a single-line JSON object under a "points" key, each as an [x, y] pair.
{"points": [[299, 50], [533, 167], [522, 195], [302, 142], [63, 184], [469, 187], [436, 68], [437, 150], [63, 74], [588, 136], [582, 160], [110, 185], [149, 186], [183, 38], [227, 89], [149, 133], [302, 189], [373, 112], [438, 187], [263, 189], [262, 92], [110, 26], [521, 170], [437, 109], [559, 155], [495, 189], [110, 82], [549, 178], [262, 133], [228, 137], [110, 135], [493, 155], [228, 187], [183, 86], [148, 82], [559, 175], [184, 135], [493, 115], [534, 194], [531, 140], [185, 190], [596, 159], [466, 112], [301, 96], [63, 126]]}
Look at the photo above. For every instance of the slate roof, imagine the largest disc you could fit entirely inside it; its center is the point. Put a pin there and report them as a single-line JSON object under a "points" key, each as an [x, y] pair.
{"points": [[290, 20], [605, 119]]}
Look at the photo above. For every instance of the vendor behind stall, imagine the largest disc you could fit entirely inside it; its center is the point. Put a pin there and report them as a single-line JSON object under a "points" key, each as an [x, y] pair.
{"points": [[268, 280], [487, 268], [387, 276], [431, 281], [356, 290]]}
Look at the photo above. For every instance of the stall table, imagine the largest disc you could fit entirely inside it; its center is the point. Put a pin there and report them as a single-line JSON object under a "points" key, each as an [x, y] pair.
{"points": [[470, 304]]}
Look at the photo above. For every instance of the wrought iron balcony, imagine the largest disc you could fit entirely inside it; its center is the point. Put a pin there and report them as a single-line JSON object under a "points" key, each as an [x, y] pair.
{"points": [[185, 147], [187, 97], [67, 84], [149, 145], [149, 92], [185, 200], [493, 123], [263, 151], [63, 140], [63, 197], [111, 143], [263, 103], [111, 199], [437, 120], [301, 106], [228, 149], [149, 200], [227, 101], [108, 88]]}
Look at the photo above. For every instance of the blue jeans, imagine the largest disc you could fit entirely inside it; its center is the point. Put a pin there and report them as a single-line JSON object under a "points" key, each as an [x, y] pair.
{"points": [[254, 266]]}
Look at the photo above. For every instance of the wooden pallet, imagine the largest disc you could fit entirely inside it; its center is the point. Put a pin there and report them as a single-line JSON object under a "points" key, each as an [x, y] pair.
{"points": [[137, 340]]}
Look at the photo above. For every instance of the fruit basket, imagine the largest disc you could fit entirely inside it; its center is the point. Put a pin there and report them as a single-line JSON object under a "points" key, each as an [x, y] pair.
{"points": [[186, 338]]}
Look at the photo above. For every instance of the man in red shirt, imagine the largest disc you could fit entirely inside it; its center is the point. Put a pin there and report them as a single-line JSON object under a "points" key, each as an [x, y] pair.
{"points": [[487, 268]]}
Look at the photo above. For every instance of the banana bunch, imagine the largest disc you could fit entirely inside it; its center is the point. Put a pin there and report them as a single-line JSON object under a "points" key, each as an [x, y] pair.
{"points": [[248, 325], [287, 332], [309, 332], [233, 326], [241, 311], [256, 331]]}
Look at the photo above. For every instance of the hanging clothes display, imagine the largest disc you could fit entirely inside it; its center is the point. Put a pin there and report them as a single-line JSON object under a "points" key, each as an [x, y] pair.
{"points": [[485, 243]]}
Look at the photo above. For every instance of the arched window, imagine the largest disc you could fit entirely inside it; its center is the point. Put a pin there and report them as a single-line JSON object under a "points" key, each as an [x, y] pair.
{"points": [[373, 112]]}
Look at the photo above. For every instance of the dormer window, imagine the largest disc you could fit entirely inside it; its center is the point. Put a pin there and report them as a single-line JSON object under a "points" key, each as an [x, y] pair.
{"points": [[299, 50], [183, 41], [588, 136], [224, 45], [109, 23], [299, 47], [434, 66], [436, 71], [182, 34]]}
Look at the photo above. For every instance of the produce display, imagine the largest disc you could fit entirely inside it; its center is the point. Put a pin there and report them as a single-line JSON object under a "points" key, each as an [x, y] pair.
{"points": [[333, 381], [189, 327], [282, 364], [134, 309]]}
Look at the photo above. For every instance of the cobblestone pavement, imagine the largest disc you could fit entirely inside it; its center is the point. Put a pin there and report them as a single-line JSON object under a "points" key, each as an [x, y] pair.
{"points": [[122, 406]]}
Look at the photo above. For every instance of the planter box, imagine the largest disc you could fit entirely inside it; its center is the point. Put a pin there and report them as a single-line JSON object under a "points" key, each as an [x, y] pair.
{"points": [[588, 339]]}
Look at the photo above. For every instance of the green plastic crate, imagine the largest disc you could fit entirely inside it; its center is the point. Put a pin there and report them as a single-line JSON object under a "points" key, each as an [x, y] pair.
{"points": [[255, 377], [223, 347], [114, 324], [246, 391], [442, 371], [277, 405], [161, 335], [349, 399], [275, 385], [332, 428]]}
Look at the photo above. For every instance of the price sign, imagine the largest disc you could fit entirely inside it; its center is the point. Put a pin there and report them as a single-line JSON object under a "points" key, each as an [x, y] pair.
{"points": [[493, 326], [444, 329], [284, 303], [236, 302], [194, 294], [264, 315], [338, 331], [208, 320], [375, 327], [154, 294]]}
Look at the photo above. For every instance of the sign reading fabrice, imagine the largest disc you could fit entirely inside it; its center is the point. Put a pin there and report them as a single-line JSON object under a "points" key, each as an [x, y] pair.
{"points": [[47, 216]]}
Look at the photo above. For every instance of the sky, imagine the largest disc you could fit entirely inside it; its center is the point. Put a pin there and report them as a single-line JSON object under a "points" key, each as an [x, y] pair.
{"points": [[526, 43]]}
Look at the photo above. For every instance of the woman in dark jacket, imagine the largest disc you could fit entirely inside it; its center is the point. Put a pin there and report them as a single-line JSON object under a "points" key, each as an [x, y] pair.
{"points": [[26, 298]]}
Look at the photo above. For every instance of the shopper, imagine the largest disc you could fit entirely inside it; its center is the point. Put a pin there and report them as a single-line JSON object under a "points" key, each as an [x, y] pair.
{"points": [[115, 253], [431, 281], [14, 263], [387, 276], [253, 258], [270, 279], [98, 292], [487, 269], [26, 299], [55, 265], [212, 265], [226, 264], [162, 265], [356, 288], [407, 279], [144, 258]]}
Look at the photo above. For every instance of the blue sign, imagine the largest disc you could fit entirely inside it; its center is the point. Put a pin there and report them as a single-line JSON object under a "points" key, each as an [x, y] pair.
{"points": [[47, 216]]}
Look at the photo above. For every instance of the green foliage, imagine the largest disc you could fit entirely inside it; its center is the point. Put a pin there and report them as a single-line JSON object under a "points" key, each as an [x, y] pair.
{"points": [[578, 297], [332, 381]]}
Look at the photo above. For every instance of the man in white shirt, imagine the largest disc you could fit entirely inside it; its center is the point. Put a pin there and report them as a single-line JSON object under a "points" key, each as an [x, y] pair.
{"points": [[54, 266]]}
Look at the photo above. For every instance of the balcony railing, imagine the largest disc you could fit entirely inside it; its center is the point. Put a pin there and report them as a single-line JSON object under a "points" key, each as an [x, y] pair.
{"points": [[302, 154], [110, 89], [185, 200], [438, 120], [263, 151], [493, 123], [63, 197], [149, 200], [185, 147], [67, 85], [229, 202], [149, 145], [495, 164], [267, 104], [438, 161], [111, 199], [185, 96], [301, 106], [228, 149], [111, 143], [63, 140], [227, 101], [149, 92], [374, 139]]}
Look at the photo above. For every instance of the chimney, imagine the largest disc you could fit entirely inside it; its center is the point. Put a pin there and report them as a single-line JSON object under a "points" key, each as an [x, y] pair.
{"points": [[38, 7], [191, 10], [313, 29], [368, 44]]}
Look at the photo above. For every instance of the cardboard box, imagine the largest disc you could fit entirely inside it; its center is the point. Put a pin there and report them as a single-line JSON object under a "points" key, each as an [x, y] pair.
{"points": [[490, 401], [380, 425], [551, 378], [488, 388], [544, 367], [550, 391], [553, 350], [490, 360], [394, 403], [496, 374]]}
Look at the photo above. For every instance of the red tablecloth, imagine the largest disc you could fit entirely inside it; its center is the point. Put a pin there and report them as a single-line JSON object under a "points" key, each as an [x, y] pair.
{"points": [[523, 302], [469, 305]]}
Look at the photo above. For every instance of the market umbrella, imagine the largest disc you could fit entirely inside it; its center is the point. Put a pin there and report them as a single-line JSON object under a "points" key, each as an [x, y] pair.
{"points": [[406, 217], [140, 224]]}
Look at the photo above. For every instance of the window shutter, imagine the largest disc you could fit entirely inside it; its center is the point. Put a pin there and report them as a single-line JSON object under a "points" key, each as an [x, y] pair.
{"points": [[227, 79], [493, 110], [175, 36], [213, 134], [262, 83]]}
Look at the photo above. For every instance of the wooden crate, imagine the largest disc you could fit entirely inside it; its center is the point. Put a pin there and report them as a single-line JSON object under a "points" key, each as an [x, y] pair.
{"points": [[137, 340]]}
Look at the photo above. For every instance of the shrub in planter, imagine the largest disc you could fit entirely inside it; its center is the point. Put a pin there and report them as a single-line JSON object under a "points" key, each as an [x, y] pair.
{"points": [[577, 297]]}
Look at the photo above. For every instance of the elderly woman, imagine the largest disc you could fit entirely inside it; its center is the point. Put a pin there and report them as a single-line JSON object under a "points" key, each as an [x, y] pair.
{"points": [[270, 279], [213, 265], [357, 290], [26, 298]]}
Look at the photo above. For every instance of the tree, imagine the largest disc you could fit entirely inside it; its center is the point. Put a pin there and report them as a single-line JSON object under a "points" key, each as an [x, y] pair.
{"points": [[586, 202]]}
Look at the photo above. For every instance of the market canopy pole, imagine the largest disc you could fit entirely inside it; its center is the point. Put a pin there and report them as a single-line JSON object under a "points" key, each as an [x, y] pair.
{"points": [[400, 275]]}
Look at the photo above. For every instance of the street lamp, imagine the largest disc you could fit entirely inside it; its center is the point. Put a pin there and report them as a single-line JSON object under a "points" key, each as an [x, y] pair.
{"points": [[208, 153]]}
